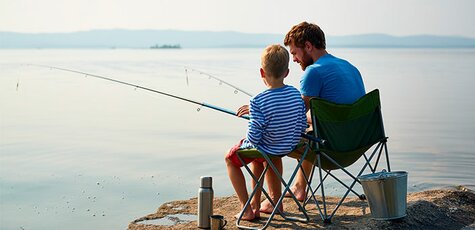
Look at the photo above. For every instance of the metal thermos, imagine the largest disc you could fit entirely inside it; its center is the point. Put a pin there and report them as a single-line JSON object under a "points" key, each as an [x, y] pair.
{"points": [[205, 202]]}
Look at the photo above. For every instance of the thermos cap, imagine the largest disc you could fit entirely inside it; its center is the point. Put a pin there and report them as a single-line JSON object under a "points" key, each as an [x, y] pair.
{"points": [[206, 182]]}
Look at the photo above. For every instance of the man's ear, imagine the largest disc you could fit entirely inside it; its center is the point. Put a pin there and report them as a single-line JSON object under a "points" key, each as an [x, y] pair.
{"points": [[263, 74], [308, 46]]}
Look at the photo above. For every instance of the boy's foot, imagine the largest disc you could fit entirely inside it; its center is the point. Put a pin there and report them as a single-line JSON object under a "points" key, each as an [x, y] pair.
{"points": [[248, 215], [299, 193], [257, 213], [267, 207]]}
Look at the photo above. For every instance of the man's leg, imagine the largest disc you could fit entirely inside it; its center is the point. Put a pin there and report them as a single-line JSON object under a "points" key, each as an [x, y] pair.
{"points": [[299, 188]]}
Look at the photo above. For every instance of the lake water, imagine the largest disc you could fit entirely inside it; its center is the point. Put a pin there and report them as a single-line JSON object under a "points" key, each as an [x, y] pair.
{"points": [[78, 152]]}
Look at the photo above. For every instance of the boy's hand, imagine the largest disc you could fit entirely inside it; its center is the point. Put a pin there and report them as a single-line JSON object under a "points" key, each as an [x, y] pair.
{"points": [[243, 110]]}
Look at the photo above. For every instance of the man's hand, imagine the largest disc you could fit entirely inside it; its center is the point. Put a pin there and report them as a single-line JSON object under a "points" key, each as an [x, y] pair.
{"points": [[243, 110]]}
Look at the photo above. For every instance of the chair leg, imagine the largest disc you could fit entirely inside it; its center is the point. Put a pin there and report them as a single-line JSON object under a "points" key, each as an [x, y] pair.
{"points": [[327, 219], [287, 189], [313, 191], [370, 167], [309, 182], [379, 157], [280, 200], [387, 156], [248, 202], [323, 214], [356, 180], [259, 183], [322, 187], [346, 186], [384, 145]]}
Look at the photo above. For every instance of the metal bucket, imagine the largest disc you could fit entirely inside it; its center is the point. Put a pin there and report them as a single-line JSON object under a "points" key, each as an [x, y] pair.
{"points": [[386, 193]]}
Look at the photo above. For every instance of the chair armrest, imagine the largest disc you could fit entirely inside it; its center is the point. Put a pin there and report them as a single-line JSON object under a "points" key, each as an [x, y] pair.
{"points": [[312, 138]]}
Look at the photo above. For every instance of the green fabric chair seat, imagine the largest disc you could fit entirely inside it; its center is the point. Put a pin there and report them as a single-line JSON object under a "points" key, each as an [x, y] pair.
{"points": [[253, 153]]}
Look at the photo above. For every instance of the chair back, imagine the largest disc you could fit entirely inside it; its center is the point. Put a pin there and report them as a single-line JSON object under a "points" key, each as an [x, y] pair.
{"points": [[349, 130]]}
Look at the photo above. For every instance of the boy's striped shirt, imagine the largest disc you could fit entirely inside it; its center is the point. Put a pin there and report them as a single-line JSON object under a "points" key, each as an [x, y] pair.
{"points": [[277, 119]]}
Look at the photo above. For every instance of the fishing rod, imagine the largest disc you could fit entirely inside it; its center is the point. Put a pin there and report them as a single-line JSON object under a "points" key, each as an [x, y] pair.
{"points": [[221, 81], [144, 88]]}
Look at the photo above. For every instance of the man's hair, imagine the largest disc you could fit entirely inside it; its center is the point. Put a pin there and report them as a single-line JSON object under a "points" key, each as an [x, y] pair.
{"points": [[275, 60], [303, 32]]}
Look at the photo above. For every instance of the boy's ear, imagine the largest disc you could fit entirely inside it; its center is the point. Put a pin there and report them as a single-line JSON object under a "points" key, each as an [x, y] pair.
{"points": [[287, 73], [263, 74]]}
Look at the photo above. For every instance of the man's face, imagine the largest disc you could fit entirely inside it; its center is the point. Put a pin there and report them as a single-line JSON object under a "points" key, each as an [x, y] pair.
{"points": [[301, 56]]}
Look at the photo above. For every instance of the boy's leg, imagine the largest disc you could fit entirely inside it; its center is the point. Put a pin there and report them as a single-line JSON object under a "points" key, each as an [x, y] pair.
{"points": [[274, 185], [257, 168], [239, 183], [298, 188]]}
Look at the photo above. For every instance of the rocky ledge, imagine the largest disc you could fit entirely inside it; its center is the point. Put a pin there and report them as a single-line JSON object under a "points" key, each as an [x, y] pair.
{"points": [[452, 208]]}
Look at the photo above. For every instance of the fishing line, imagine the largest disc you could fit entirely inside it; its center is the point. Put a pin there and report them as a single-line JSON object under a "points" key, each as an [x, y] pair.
{"points": [[221, 81], [210, 76], [186, 72], [201, 104]]}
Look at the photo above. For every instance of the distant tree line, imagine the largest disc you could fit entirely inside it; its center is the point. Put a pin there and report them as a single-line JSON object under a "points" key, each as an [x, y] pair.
{"points": [[166, 46]]}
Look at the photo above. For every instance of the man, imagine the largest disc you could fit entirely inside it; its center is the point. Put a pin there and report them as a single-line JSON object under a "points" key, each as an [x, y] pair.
{"points": [[325, 76]]}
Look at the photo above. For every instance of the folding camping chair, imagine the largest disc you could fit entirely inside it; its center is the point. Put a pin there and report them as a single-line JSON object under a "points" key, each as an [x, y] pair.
{"points": [[254, 153], [349, 130]]}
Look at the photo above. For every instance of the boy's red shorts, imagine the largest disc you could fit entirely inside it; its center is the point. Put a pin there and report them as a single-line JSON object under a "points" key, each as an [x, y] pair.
{"points": [[232, 156]]}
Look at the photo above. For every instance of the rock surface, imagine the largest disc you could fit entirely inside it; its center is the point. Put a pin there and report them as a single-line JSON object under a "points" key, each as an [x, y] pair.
{"points": [[434, 209]]}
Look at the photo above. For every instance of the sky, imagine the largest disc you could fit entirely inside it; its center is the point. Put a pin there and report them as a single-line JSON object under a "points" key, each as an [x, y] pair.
{"points": [[335, 17]]}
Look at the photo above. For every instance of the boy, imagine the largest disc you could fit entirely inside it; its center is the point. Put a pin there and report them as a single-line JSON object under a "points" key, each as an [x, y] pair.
{"points": [[277, 119]]}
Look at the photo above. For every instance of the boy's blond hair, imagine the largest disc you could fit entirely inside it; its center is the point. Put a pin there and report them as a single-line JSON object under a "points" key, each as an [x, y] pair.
{"points": [[275, 61]]}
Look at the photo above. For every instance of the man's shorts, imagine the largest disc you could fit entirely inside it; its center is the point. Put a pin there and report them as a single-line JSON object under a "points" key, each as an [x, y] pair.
{"points": [[232, 156]]}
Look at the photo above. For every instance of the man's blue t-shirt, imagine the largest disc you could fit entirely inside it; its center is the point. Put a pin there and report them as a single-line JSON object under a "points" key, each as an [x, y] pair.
{"points": [[333, 79]]}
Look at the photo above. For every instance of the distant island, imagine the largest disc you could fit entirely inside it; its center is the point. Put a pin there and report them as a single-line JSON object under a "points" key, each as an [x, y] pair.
{"points": [[176, 46], [141, 39]]}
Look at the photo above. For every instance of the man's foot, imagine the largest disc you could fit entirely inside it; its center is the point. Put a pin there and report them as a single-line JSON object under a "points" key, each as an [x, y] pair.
{"points": [[299, 193], [267, 207]]}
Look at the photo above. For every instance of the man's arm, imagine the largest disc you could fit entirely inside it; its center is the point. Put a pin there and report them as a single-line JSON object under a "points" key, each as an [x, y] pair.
{"points": [[306, 100]]}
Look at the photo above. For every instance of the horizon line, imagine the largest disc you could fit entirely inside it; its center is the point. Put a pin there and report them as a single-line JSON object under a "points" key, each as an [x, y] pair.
{"points": [[233, 31]]}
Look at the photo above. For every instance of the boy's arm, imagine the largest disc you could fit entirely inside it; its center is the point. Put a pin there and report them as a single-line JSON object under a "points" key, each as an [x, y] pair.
{"points": [[256, 124], [243, 110]]}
